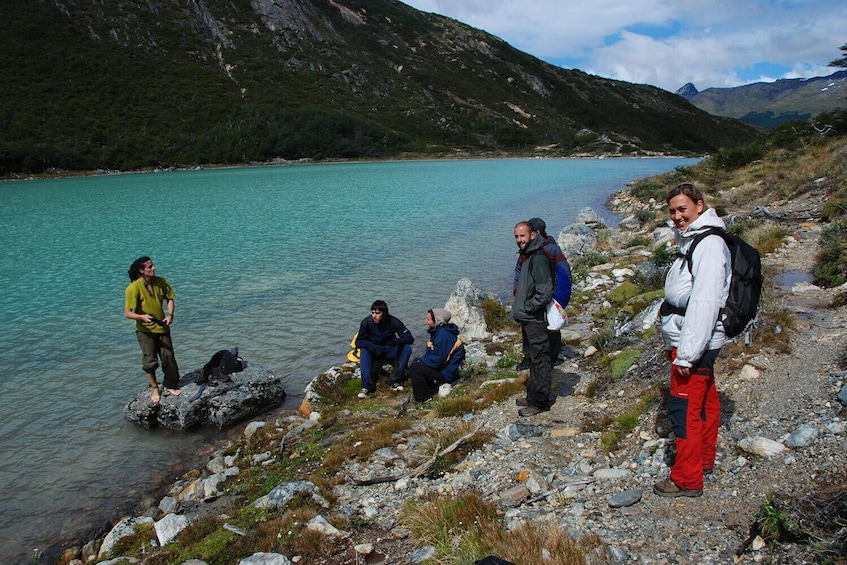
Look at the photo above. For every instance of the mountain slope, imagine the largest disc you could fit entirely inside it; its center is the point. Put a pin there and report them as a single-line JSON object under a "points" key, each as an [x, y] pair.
{"points": [[768, 104], [151, 83]]}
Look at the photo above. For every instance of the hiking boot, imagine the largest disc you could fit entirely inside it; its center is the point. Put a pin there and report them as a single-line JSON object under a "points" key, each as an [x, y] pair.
{"points": [[668, 488], [531, 411], [523, 365], [396, 387], [364, 393], [521, 402]]}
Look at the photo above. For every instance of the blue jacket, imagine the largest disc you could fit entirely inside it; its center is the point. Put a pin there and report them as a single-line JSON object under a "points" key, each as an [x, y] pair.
{"points": [[444, 351], [377, 339]]}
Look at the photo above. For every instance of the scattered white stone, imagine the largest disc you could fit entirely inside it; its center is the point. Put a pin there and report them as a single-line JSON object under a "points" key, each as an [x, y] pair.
{"points": [[125, 527], [749, 372], [589, 351], [803, 287], [261, 457], [169, 527], [169, 504], [444, 390], [364, 548], [758, 543], [252, 428], [265, 559], [320, 524], [837, 427], [607, 473], [217, 464], [761, 446], [804, 436]]}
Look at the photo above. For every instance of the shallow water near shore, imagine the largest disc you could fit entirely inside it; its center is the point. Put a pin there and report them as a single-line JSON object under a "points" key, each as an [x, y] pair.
{"points": [[282, 262]]}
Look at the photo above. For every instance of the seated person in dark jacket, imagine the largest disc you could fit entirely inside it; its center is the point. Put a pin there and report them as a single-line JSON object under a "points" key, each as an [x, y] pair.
{"points": [[383, 338], [440, 362]]}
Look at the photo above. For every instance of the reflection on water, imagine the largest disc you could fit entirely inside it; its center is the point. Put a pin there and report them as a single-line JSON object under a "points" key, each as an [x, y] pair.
{"points": [[790, 278]]}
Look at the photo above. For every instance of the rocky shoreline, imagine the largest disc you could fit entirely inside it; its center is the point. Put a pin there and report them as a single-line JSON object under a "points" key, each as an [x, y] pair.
{"points": [[783, 432]]}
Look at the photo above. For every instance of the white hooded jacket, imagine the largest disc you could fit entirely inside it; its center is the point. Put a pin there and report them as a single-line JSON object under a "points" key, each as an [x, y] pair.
{"points": [[702, 291]]}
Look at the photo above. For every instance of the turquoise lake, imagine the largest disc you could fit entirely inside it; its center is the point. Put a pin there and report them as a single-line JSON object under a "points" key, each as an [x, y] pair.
{"points": [[282, 262]]}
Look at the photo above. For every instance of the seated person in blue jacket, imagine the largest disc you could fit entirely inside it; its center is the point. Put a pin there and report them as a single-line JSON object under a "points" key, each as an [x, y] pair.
{"points": [[383, 338], [440, 362]]}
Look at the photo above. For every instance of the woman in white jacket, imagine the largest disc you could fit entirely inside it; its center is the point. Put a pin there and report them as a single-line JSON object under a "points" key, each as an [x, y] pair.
{"points": [[693, 336]]}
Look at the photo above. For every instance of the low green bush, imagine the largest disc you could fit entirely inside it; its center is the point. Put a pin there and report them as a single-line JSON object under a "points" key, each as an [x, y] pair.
{"points": [[495, 314], [624, 360]]}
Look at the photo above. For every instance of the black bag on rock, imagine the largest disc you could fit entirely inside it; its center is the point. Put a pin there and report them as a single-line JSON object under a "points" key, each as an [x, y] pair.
{"points": [[222, 365]]}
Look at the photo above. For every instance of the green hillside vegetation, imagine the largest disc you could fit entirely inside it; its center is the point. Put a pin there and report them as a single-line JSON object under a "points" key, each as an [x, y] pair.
{"points": [[795, 158], [152, 84]]}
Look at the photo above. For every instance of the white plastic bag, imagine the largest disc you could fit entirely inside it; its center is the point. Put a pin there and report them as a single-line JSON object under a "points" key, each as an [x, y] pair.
{"points": [[556, 316]]}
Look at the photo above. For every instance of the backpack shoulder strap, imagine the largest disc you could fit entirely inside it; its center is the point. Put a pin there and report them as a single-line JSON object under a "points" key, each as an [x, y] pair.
{"points": [[689, 255]]}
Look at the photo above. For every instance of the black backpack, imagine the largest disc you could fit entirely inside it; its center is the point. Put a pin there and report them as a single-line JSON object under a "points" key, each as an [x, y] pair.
{"points": [[222, 365], [745, 285]]}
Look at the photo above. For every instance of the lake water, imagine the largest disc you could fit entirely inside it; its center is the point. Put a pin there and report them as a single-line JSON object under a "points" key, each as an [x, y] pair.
{"points": [[281, 261]]}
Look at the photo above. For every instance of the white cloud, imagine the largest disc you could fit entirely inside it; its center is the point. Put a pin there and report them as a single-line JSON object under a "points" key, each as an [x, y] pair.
{"points": [[712, 43]]}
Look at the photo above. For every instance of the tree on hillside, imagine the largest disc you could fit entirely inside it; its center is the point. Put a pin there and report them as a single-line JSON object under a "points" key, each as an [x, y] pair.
{"points": [[842, 62]]}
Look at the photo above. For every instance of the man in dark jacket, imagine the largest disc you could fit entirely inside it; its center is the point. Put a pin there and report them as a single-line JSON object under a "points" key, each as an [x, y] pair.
{"points": [[383, 338], [562, 287], [532, 295], [440, 362]]}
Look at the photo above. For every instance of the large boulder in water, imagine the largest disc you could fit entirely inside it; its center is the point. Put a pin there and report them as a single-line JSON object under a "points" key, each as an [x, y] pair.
{"points": [[249, 392]]}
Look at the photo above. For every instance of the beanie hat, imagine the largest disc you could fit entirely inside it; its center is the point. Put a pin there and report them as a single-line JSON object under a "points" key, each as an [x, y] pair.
{"points": [[537, 224], [441, 316]]}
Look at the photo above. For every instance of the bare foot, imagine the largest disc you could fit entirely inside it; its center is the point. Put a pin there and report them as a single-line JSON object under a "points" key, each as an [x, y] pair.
{"points": [[154, 396], [173, 391]]}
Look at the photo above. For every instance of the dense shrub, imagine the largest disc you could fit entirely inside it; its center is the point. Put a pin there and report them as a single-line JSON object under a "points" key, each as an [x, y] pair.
{"points": [[831, 267], [737, 157]]}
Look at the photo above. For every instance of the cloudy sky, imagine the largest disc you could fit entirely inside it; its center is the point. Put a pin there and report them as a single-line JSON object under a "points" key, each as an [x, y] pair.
{"points": [[666, 43]]}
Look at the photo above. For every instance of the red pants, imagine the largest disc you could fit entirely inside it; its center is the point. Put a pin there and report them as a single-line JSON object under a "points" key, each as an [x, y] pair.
{"points": [[694, 411]]}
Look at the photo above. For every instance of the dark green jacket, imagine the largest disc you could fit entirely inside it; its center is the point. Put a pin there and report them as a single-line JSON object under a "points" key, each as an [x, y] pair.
{"points": [[535, 285]]}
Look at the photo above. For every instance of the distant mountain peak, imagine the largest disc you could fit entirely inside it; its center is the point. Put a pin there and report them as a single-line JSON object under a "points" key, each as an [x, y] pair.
{"points": [[688, 91], [769, 104]]}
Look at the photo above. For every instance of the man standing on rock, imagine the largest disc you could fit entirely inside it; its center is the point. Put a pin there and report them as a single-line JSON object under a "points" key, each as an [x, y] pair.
{"points": [[533, 293], [145, 297]]}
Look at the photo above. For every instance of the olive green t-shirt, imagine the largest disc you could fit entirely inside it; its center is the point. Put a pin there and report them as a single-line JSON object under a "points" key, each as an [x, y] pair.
{"points": [[140, 301]]}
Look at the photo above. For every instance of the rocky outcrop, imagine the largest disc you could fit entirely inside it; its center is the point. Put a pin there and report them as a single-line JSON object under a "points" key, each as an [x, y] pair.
{"points": [[465, 304], [580, 237], [251, 391]]}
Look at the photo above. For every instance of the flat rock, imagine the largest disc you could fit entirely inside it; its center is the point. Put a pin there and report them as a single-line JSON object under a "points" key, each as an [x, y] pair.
{"points": [[625, 498], [249, 392]]}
